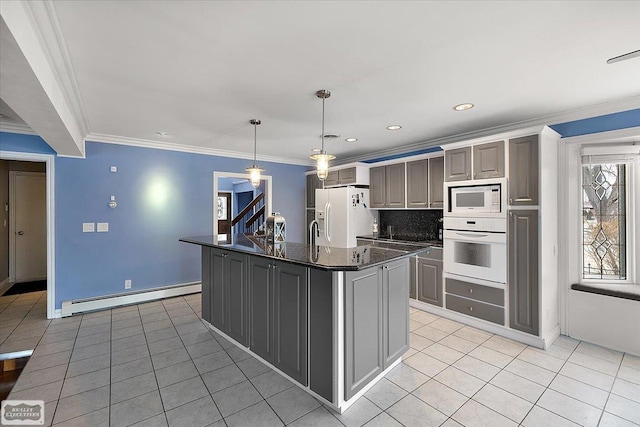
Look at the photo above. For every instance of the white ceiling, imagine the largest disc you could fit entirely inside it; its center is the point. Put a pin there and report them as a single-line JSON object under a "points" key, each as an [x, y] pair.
{"points": [[200, 70]]}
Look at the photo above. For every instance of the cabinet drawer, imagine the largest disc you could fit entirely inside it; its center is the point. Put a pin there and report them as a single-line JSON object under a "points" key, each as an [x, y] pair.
{"points": [[477, 309], [476, 292]]}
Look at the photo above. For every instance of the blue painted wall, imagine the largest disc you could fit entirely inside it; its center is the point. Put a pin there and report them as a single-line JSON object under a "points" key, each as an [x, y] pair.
{"points": [[162, 196], [615, 121]]}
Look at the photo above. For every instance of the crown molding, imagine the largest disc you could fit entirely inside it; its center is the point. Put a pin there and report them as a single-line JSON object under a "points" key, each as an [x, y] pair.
{"points": [[45, 22], [16, 128], [613, 136], [551, 119], [171, 146]]}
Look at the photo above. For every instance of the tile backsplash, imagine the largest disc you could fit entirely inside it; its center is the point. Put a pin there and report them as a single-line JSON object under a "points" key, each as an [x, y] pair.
{"points": [[411, 222]]}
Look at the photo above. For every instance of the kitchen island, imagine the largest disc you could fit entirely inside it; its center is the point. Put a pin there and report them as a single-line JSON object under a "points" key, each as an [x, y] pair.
{"points": [[333, 320]]}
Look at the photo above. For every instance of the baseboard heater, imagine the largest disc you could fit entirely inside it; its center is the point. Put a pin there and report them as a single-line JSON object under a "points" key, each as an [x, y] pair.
{"points": [[116, 300]]}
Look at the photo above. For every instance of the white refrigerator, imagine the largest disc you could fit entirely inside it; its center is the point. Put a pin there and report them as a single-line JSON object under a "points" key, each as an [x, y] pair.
{"points": [[342, 214]]}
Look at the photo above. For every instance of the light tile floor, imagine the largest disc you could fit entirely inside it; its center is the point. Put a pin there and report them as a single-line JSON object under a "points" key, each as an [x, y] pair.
{"points": [[156, 364]]}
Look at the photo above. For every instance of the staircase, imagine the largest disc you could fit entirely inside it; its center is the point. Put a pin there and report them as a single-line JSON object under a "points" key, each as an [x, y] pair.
{"points": [[251, 216]]}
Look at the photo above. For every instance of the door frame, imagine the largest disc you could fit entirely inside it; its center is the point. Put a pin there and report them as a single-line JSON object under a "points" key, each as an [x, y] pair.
{"points": [[49, 160], [12, 219], [229, 207], [246, 176]]}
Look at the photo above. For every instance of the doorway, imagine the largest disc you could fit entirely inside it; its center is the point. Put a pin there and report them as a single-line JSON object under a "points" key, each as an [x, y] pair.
{"points": [[223, 212], [27, 226], [24, 162]]}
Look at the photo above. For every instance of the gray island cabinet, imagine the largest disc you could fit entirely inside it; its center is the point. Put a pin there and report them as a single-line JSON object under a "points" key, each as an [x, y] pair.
{"points": [[334, 320]]}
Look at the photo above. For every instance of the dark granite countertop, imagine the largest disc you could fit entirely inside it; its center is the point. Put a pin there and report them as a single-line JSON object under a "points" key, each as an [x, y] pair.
{"points": [[410, 240], [323, 257]]}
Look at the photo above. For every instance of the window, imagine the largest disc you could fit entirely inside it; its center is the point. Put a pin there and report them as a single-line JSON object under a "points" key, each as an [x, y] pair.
{"points": [[604, 220]]}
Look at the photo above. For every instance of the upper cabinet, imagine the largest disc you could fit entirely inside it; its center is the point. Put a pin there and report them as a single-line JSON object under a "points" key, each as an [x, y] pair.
{"points": [[417, 184], [353, 174], [523, 171], [436, 181], [457, 164], [387, 186], [488, 160]]}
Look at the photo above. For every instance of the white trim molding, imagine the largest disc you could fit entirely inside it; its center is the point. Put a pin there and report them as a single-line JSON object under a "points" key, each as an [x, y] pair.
{"points": [[16, 128], [49, 160], [172, 146]]}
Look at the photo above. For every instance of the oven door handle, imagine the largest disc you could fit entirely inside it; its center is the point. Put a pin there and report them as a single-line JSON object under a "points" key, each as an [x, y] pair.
{"points": [[472, 235]]}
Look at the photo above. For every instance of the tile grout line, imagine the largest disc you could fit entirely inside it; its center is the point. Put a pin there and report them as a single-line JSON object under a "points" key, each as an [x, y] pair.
{"points": [[604, 407]]}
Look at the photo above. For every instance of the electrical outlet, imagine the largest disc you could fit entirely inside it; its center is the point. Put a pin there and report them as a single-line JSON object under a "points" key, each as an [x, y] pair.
{"points": [[103, 227], [88, 227], [127, 284]]}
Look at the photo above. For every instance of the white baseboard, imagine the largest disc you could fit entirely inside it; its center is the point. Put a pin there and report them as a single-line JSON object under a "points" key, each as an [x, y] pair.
{"points": [[110, 301], [487, 326], [5, 285]]}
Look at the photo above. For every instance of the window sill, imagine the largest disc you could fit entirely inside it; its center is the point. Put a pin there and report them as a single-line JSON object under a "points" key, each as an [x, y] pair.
{"points": [[628, 291]]}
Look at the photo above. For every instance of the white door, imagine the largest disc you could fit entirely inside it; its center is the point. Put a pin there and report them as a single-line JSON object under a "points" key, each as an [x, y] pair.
{"points": [[29, 220]]}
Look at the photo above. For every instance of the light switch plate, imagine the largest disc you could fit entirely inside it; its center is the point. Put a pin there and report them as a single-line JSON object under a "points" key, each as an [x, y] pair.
{"points": [[88, 227], [113, 169], [103, 227]]}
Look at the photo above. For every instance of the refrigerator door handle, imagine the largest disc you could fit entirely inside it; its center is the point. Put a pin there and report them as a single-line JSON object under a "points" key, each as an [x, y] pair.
{"points": [[327, 221]]}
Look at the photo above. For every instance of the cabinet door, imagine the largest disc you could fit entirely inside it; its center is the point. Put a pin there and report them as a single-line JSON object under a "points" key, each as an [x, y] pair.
{"points": [[260, 303], [363, 328], [523, 271], [347, 176], [377, 189], [436, 182], [457, 164], [430, 281], [395, 284], [523, 171], [395, 186], [206, 283], [218, 273], [312, 183], [290, 320], [417, 184], [332, 178], [236, 297], [488, 160]]}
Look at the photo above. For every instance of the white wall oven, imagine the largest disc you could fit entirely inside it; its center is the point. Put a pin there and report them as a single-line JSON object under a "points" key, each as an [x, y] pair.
{"points": [[476, 249], [472, 199]]}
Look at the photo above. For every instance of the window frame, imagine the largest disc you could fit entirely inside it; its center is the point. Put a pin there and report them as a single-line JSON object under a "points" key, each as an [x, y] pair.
{"points": [[632, 187]]}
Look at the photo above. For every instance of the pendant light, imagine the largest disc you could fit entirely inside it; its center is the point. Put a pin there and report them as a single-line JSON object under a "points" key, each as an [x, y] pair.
{"points": [[254, 171], [322, 158]]}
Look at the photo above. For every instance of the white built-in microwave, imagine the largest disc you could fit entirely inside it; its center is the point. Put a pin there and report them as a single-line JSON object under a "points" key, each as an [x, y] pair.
{"points": [[486, 199]]}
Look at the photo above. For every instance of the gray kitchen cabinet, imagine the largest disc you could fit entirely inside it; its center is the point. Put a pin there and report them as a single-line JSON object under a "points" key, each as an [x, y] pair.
{"points": [[377, 187], [386, 186], [227, 293], [482, 302], [523, 271], [436, 181], [395, 185], [313, 182], [278, 315], [375, 297], [523, 171], [488, 160], [457, 164], [341, 177], [206, 283], [418, 184], [429, 278], [413, 276]]}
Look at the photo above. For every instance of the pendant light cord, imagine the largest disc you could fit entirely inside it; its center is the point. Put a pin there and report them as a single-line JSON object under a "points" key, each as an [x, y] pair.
{"points": [[255, 139], [323, 98]]}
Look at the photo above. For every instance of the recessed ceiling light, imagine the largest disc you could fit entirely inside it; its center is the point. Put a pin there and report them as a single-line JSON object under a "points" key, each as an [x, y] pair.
{"points": [[394, 127], [162, 133], [462, 107], [351, 139]]}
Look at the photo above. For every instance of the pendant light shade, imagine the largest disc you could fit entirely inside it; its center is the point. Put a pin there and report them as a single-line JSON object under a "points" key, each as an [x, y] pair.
{"points": [[322, 158], [254, 170]]}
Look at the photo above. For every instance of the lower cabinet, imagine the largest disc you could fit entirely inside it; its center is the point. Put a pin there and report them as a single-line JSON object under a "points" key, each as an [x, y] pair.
{"points": [[523, 271], [429, 278], [226, 292], [482, 302], [375, 297], [278, 315]]}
